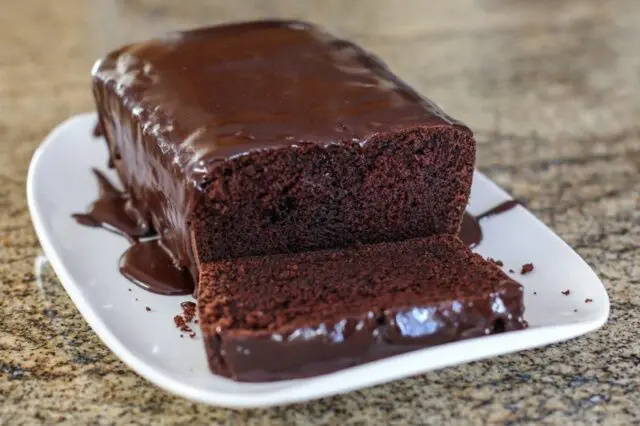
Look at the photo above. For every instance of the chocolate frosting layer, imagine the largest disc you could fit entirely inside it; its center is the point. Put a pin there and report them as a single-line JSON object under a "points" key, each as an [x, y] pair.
{"points": [[146, 263], [471, 232], [356, 340], [113, 210], [216, 93], [173, 108]]}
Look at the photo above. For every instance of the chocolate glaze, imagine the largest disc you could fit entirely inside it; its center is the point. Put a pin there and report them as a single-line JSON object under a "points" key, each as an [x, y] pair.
{"points": [[114, 211], [354, 341], [471, 232], [500, 208], [149, 265], [97, 130], [174, 108], [145, 263]]}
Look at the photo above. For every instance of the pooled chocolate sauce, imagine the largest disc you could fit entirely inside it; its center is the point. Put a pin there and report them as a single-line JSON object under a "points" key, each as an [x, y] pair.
{"points": [[145, 263], [471, 232], [149, 265], [114, 211]]}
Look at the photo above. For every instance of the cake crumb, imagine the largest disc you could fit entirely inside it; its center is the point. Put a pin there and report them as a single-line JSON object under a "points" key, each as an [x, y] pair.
{"points": [[192, 335], [511, 271], [495, 261], [588, 300], [188, 311], [129, 289], [526, 268], [181, 324], [187, 316], [575, 310], [148, 309], [566, 292], [535, 292]]}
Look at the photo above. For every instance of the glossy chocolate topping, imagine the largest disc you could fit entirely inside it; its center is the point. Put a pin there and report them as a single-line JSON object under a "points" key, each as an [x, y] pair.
{"points": [[500, 208], [215, 93], [353, 341], [146, 263], [114, 211], [471, 232]]}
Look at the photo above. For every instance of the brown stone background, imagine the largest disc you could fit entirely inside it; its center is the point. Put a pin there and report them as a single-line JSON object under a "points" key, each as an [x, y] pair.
{"points": [[552, 91]]}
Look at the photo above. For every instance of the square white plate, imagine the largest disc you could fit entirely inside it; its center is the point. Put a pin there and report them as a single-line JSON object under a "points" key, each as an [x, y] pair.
{"points": [[85, 259]]}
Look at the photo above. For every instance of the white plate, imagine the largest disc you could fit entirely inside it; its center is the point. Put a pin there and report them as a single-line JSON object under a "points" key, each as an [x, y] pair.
{"points": [[85, 259]]}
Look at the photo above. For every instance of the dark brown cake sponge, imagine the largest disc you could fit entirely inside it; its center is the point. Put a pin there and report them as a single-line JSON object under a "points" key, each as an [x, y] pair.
{"points": [[398, 185]]}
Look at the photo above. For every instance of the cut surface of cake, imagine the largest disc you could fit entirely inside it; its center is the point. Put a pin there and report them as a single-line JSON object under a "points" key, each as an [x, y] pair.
{"points": [[276, 137], [297, 315]]}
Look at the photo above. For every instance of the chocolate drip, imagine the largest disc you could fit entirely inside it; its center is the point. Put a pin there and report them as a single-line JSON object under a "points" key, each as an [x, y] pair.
{"points": [[471, 232], [150, 266], [146, 263], [97, 130], [500, 208], [114, 211]]}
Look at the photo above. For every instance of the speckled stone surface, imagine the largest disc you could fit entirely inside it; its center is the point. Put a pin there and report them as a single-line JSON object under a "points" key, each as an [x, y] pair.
{"points": [[552, 89]]}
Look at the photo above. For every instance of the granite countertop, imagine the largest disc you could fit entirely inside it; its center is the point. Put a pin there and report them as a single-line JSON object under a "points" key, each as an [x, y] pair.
{"points": [[551, 90]]}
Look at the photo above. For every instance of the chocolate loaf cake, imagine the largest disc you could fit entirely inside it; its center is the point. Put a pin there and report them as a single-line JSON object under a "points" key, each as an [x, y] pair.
{"points": [[275, 137], [296, 315]]}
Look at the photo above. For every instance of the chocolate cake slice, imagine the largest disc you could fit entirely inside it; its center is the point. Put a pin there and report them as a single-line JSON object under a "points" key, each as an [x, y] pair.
{"points": [[275, 137], [295, 315]]}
